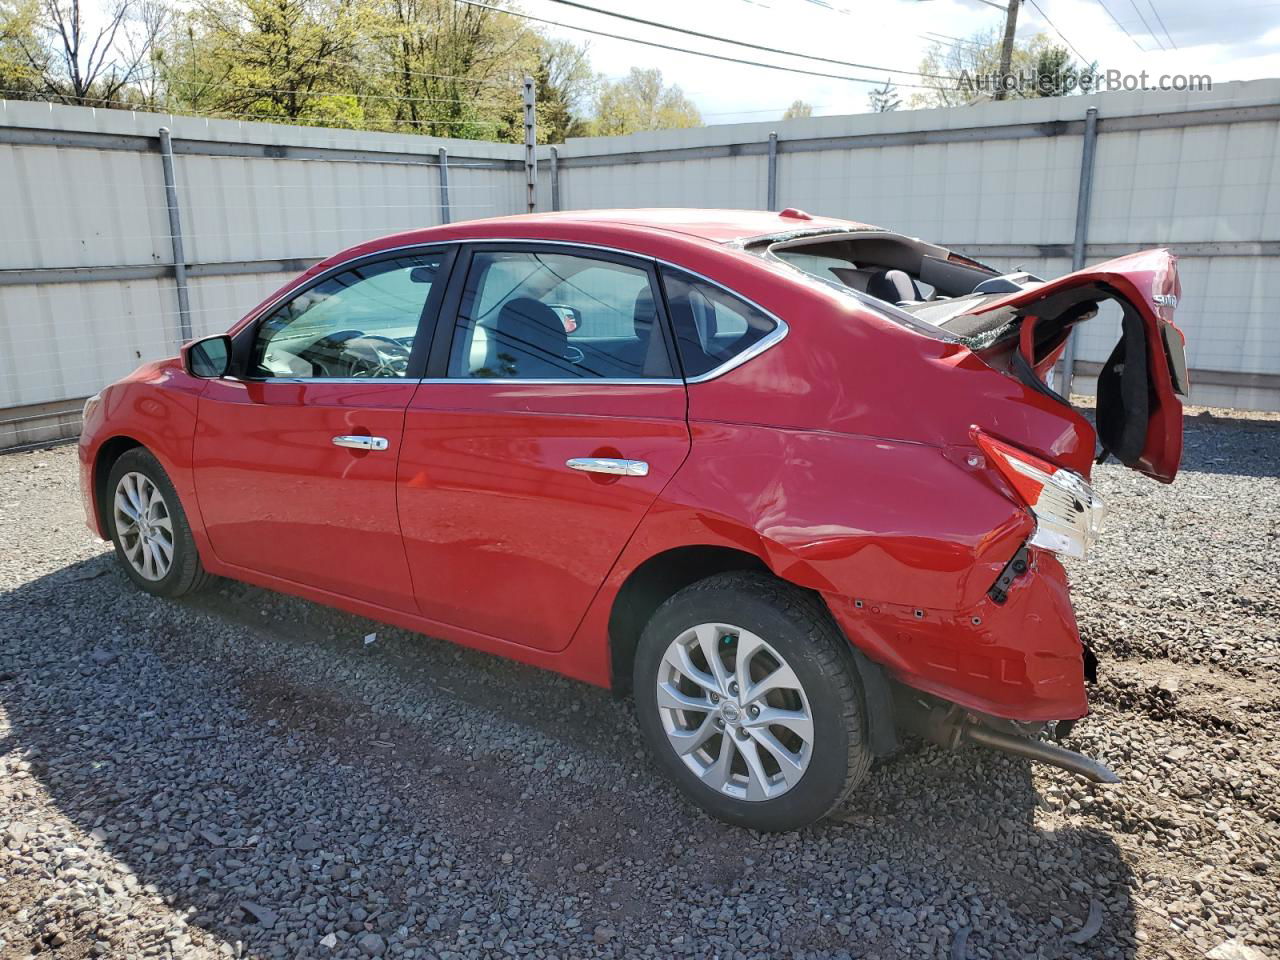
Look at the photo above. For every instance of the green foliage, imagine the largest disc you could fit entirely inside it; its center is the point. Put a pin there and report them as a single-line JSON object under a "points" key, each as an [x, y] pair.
{"points": [[884, 99], [433, 67], [979, 55], [640, 101], [22, 58]]}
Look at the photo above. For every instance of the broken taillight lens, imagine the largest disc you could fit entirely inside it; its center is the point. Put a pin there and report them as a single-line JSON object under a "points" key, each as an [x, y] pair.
{"points": [[1069, 515]]}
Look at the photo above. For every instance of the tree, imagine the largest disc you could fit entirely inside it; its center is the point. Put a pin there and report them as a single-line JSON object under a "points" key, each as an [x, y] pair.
{"points": [[884, 99], [456, 68], [797, 110], [82, 65], [23, 60], [1056, 74], [956, 73], [263, 59], [640, 101], [566, 86]]}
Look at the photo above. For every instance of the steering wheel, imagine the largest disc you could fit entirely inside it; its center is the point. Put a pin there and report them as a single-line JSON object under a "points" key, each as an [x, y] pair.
{"points": [[574, 354], [370, 356]]}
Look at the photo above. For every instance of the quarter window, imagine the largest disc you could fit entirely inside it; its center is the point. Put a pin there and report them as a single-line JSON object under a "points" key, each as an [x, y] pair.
{"points": [[358, 323], [712, 326], [555, 316]]}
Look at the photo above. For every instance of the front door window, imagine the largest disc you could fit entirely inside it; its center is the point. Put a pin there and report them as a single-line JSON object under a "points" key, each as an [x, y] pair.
{"points": [[359, 323]]}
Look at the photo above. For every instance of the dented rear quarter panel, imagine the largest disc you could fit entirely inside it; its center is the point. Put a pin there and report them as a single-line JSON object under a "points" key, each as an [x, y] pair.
{"points": [[841, 458]]}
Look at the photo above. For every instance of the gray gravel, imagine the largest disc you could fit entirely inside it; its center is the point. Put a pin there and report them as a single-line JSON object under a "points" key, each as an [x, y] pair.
{"points": [[240, 774]]}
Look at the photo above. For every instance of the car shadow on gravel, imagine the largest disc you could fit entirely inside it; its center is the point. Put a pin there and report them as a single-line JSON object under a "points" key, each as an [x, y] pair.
{"points": [[286, 786]]}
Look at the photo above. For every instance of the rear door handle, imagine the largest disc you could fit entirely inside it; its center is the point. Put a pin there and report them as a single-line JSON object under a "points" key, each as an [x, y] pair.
{"points": [[620, 468], [361, 443]]}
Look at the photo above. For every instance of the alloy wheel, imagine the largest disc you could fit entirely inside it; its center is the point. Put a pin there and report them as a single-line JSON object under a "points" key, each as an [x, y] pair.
{"points": [[735, 712], [144, 526]]}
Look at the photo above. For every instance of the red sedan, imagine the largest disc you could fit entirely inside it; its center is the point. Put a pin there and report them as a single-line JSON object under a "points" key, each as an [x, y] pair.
{"points": [[801, 484]]}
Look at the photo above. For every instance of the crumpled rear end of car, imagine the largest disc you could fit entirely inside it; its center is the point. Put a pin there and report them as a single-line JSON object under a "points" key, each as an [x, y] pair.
{"points": [[1019, 658]]}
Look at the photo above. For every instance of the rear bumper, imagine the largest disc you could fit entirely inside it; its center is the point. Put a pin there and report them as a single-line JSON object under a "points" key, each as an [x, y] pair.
{"points": [[1021, 660]]}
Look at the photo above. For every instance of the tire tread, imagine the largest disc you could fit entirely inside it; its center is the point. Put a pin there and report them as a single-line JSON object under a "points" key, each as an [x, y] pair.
{"points": [[191, 574], [827, 643]]}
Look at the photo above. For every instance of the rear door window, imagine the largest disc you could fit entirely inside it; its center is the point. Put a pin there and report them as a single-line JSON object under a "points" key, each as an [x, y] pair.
{"points": [[535, 315], [712, 326]]}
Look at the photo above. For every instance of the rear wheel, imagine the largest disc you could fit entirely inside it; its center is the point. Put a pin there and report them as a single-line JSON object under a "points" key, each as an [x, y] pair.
{"points": [[748, 696], [149, 528]]}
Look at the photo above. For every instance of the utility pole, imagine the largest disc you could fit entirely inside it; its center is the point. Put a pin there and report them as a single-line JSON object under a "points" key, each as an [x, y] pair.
{"points": [[1006, 49]]}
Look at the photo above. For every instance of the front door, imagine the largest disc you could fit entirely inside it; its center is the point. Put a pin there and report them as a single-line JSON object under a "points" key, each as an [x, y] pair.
{"points": [[295, 462], [554, 421]]}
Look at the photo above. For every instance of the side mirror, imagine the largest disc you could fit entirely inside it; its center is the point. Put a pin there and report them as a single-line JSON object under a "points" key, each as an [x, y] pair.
{"points": [[209, 358]]}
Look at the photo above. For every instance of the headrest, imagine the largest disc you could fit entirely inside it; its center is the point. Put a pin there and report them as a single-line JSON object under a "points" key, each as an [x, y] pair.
{"points": [[529, 317], [893, 286], [644, 314]]}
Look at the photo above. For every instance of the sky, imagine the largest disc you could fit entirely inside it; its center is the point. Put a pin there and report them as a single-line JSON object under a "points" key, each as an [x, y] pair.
{"points": [[1226, 39]]}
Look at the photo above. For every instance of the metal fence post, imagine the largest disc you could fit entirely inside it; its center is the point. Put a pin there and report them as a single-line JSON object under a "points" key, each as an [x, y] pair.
{"points": [[1083, 197], [444, 185], [555, 179], [530, 144], [772, 203], [175, 235]]}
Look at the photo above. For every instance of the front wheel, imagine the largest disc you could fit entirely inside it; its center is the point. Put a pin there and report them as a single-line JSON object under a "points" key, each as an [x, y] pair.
{"points": [[750, 700], [149, 528]]}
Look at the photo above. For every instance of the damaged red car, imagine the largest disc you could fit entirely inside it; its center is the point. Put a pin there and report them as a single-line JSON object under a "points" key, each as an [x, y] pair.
{"points": [[800, 484]]}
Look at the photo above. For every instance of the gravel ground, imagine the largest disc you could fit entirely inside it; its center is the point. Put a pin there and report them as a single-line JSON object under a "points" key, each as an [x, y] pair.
{"points": [[240, 774]]}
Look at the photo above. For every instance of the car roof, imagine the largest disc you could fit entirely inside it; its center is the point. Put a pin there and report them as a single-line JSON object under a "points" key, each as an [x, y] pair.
{"points": [[656, 230], [711, 226], [718, 226]]}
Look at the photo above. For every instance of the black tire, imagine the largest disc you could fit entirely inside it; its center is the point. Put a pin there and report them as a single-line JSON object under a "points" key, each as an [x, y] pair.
{"points": [[800, 629], [185, 574]]}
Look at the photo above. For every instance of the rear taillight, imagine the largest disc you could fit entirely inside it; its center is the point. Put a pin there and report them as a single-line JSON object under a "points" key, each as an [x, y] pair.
{"points": [[1069, 515]]}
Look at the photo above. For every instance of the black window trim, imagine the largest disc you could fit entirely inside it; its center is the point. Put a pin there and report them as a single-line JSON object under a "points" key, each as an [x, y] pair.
{"points": [[442, 346], [779, 331], [457, 251], [428, 320]]}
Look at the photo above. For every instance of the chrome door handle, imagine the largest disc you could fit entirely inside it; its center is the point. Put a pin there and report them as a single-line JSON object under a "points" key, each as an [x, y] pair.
{"points": [[361, 443], [621, 468]]}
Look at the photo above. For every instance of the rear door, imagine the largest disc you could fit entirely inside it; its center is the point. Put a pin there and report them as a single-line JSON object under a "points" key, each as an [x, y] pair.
{"points": [[1139, 413], [295, 459], [531, 453]]}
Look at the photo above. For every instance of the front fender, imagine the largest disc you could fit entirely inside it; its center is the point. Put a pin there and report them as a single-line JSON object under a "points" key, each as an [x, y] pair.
{"points": [[155, 407]]}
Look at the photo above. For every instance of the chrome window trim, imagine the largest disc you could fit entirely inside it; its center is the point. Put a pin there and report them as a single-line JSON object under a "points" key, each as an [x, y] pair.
{"points": [[573, 381], [774, 337], [401, 381]]}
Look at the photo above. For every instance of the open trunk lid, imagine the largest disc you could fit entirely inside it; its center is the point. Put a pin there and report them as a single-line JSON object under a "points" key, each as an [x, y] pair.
{"points": [[1139, 413]]}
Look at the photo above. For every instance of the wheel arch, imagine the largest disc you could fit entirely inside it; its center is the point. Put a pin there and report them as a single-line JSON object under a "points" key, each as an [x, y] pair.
{"points": [[651, 583], [664, 574], [108, 452]]}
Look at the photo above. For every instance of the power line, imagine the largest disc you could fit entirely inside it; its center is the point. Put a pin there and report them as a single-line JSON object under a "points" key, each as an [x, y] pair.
{"points": [[1162, 26], [696, 53], [1060, 34], [740, 43], [1150, 33], [1121, 26]]}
